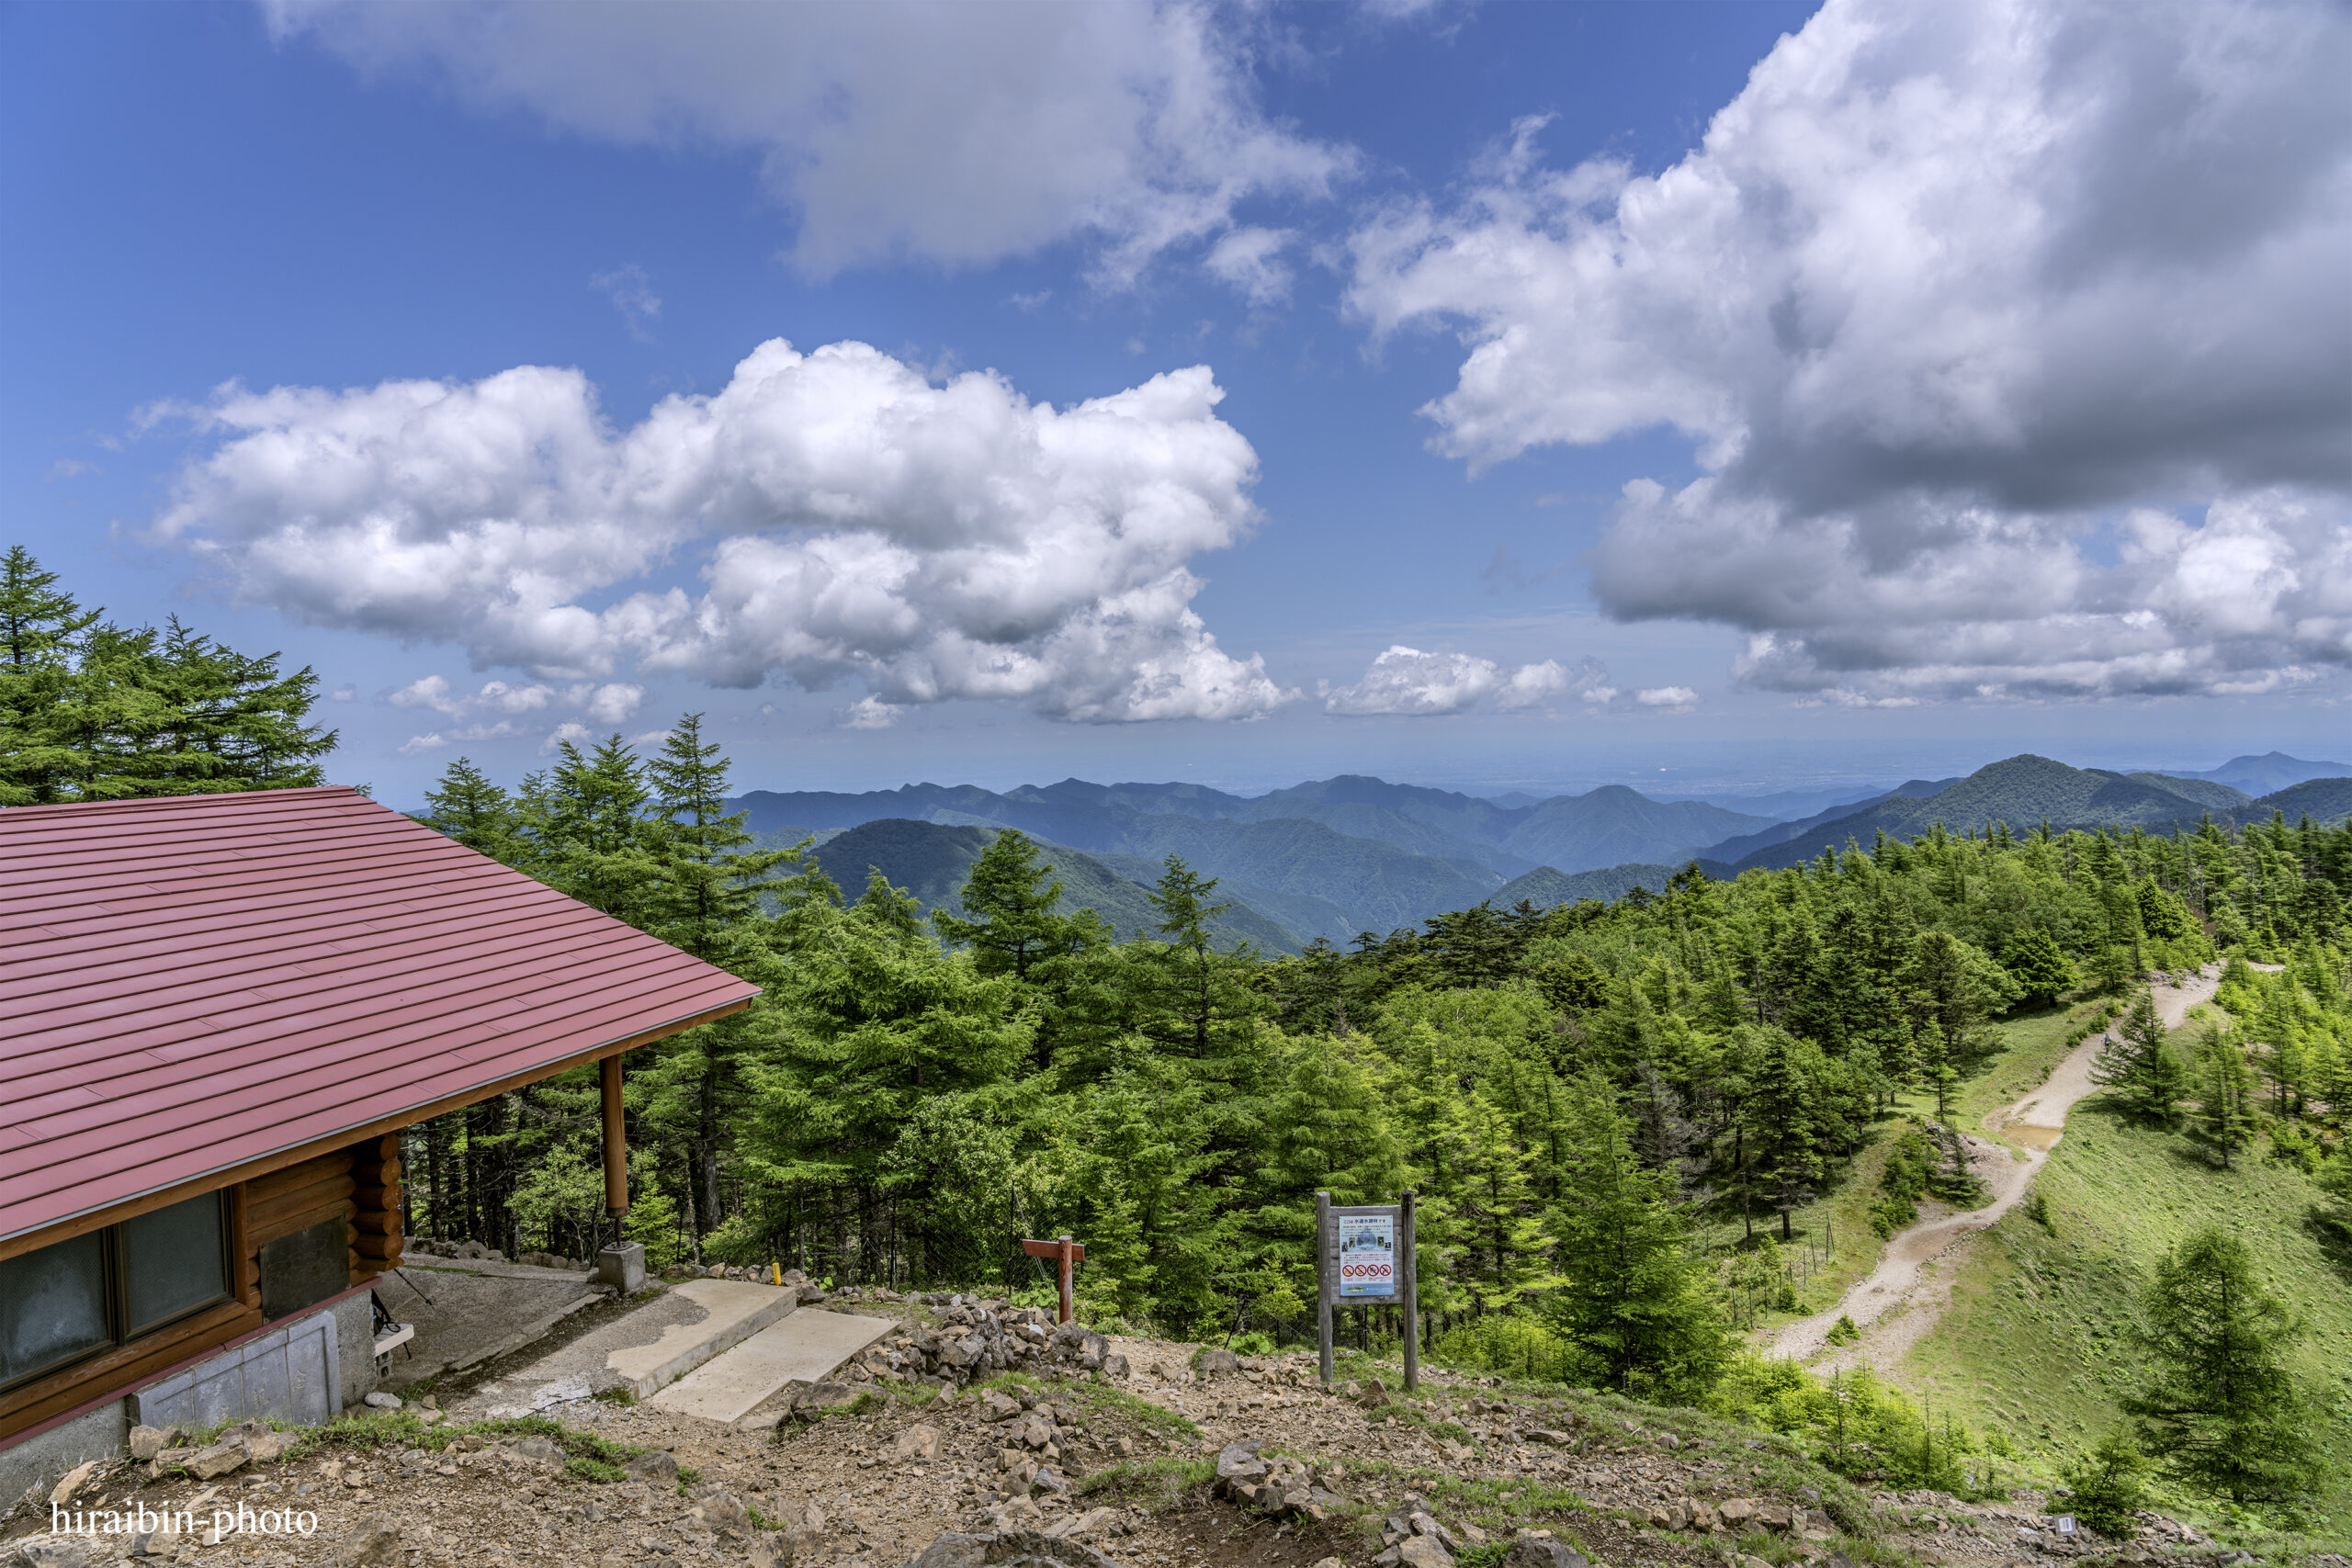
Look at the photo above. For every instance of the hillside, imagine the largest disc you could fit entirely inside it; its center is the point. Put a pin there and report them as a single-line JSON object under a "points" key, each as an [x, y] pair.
{"points": [[2022, 791], [1545, 887], [2324, 801], [932, 860], [2035, 1341]]}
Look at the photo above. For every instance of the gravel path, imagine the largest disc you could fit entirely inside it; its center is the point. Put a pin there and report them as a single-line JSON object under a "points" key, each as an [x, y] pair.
{"points": [[1902, 1298]]}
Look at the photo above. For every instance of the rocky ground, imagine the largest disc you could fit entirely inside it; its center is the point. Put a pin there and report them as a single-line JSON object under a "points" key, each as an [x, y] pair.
{"points": [[971, 1436]]}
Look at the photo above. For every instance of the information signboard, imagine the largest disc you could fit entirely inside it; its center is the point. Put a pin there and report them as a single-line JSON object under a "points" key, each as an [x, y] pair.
{"points": [[1363, 1261], [1367, 1254]]}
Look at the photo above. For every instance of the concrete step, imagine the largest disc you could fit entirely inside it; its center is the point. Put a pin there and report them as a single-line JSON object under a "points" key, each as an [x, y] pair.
{"points": [[806, 1345], [736, 1311]]}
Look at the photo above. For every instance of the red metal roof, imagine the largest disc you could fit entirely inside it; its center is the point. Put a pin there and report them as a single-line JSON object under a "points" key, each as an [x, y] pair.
{"points": [[193, 983]]}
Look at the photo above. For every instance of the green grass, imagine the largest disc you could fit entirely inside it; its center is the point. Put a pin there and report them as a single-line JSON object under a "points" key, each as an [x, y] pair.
{"points": [[1153, 1482], [2036, 1343], [586, 1455]]}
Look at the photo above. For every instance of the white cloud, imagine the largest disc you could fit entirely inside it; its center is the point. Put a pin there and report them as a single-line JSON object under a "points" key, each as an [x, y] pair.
{"points": [[946, 132], [853, 521], [631, 292], [1677, 699], [1249, 261], [1945, 293], [344, 694], [565, 734], [68, 469], [870, 713], [1405, 680]]}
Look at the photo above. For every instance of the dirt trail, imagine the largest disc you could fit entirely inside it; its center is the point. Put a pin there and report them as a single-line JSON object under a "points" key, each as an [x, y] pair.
{"points": [[1901, 1299]]}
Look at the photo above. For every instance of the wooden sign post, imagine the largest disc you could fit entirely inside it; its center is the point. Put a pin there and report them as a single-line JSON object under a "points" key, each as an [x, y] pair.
{"points": [[1070, 1252], [1364, 1256]]}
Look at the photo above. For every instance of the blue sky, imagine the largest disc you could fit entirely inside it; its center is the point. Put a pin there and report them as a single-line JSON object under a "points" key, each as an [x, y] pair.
{"points": [[1926, 467]]}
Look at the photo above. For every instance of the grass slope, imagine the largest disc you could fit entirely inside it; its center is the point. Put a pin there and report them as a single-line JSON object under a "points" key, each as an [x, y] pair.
{"points": [[2036, 1342]]}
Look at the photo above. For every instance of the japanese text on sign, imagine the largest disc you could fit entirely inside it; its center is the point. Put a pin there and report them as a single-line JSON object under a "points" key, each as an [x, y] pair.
{"points": [[1367, 1254]]}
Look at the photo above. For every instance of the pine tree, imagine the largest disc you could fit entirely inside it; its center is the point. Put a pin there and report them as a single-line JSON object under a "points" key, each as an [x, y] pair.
{"points": [[1781, 1111], [1009, 921], [2226, 1110], [705, 898], [1488, 1221], [2218, 1407], [2041, 971], [1635, 1300], [2137, 1059], [477, 813]]}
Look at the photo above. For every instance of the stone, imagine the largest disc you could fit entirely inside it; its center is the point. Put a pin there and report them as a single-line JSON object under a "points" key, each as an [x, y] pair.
{"points": [[1114, 1366], [267, 1447], [212, 1464], [1423, 1552], [954, 1551], [721, 1513], [1773, 1515], [1374, 1392], [919, 1441], [1735, 1511], [1542, 1552], [1239, 1461], [542, 1448], [1557, 1440], [71, 1482], [660, 1467], [373, 1542], [146, 1442], [376, 1399], [55, 1551], [996, 1406], [772, 1551], [1216, 1361]]}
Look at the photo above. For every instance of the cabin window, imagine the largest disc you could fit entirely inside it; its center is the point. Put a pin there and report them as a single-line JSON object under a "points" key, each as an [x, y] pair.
{"points": [[174, 1260], [53, 1307], [75, 1298]]}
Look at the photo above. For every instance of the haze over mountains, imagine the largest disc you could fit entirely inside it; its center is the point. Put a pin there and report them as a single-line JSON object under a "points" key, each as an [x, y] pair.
{"points": [[1336, 857]]}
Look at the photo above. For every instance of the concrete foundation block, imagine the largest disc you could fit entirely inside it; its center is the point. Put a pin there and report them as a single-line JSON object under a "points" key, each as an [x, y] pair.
{"points": [[622, 1266]]}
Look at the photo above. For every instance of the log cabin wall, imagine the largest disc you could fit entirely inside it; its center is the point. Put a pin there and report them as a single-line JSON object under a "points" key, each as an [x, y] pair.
{"points": [[292, 1199], [376, 1218]]}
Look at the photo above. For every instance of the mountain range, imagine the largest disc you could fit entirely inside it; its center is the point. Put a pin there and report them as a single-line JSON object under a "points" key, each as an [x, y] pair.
{"points": [[1336, 857]]}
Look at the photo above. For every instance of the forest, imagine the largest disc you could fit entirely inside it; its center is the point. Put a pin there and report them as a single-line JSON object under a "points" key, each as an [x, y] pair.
{"points": [[1609, 1111]]}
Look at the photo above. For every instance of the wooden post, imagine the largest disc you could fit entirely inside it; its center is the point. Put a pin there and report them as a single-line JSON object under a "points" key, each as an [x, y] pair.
{"points": [[1066, 1254], [1323, 1279], [1409, 1287], [616, 1143]]}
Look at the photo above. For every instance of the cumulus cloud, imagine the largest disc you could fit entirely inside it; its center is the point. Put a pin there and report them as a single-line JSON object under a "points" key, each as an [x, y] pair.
{"points": [[850, 518], [1674, 699], [1405, 680], [870, 712], [933, 128], [2010, 337]]}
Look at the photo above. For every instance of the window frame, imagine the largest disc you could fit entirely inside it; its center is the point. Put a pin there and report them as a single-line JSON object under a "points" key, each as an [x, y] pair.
{"points": [[114, 1264]]}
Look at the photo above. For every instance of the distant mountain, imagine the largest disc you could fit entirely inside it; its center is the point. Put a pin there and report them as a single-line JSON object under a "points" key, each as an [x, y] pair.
{"points": [[1788, 805], [1732, 851], [2324, 801], [2022, 791], [1375, 884], [932, 861], [2213, 796], [1545, 887], [2270, 773], [1616, 826]]}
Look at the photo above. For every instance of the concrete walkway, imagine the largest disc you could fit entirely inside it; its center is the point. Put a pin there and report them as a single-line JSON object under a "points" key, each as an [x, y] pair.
{"points": [[643, 1351], [805, 1347]]}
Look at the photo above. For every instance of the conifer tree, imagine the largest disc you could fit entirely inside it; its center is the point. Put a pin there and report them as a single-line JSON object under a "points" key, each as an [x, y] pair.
{"points": [[2225, 1108], [1633, 1300], [1009, 919], [477, 813], [2137, 1059], [2041, 971], [2218, 1407]]}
